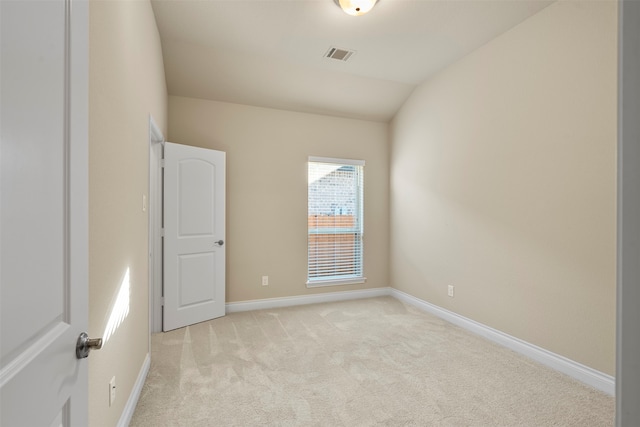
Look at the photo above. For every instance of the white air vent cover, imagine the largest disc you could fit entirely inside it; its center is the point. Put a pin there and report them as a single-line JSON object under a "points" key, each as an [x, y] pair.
{"points": [[339, 54]]}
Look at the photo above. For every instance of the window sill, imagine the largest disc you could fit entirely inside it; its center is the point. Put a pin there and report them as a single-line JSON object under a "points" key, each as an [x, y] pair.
{"points": [[335, 282]]}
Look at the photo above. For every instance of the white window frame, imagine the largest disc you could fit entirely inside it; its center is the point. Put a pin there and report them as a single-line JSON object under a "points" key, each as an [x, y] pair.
{"points": [[337, 280]]}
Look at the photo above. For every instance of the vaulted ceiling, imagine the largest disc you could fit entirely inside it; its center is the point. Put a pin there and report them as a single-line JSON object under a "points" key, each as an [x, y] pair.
{"points": [[271, 53]]}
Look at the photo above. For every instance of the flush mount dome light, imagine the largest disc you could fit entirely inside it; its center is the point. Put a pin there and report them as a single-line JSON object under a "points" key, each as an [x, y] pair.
{"points": [[356, 7]]}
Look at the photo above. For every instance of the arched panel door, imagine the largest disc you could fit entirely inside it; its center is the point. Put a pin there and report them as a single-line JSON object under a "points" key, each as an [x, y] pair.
{"points": [[194, 235]]}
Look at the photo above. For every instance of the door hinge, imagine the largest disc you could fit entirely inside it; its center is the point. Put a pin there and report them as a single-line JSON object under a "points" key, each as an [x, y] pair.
{"points": [[161, 163], [162, 301], [162, 232]]}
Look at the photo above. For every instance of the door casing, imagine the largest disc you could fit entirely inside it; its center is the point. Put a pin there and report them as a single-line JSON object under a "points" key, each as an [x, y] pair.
{"points": [[156, 144]]}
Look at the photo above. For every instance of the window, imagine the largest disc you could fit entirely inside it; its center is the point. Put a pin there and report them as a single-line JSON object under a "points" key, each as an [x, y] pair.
{"points": [[335, 221]]}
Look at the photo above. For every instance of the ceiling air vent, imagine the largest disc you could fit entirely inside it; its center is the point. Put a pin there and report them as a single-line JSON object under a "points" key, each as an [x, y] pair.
{"points": [[339, 54]]}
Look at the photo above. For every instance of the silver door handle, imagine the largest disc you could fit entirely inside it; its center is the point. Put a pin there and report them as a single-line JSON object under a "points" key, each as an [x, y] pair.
{"points": [[219, 242], [85, 344]]}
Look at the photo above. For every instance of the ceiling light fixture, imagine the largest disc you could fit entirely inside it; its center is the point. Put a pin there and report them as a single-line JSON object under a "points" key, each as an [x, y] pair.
{"points": [[356, 7]]}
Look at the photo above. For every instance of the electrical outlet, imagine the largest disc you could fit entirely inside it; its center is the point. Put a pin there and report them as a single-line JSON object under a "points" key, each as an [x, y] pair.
{"points": [[265, 280], [450, 291], [112, 391]]}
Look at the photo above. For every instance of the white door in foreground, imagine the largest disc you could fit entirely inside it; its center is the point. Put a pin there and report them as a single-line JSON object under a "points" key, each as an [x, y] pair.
{"points": [[194, 233], [44, 205]]}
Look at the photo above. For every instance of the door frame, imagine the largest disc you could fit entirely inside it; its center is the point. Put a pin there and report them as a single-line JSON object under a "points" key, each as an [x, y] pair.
{"points": [[628, 207], [156, 145]]}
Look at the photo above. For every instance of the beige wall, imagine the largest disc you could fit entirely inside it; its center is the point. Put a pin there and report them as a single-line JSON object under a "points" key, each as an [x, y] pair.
{"points": [[503, 173], [267, 151], [126, 84]]}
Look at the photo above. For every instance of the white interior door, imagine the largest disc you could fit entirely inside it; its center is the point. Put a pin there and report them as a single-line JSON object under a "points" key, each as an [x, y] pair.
{"points": [[43, 211], [194, 233]]}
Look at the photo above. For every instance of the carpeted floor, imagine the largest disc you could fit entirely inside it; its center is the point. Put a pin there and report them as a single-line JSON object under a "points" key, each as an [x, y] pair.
{"points": [[354, 363]]}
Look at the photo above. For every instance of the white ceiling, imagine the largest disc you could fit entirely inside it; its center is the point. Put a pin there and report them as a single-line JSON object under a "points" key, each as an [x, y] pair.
{"points": [[270, 53]]}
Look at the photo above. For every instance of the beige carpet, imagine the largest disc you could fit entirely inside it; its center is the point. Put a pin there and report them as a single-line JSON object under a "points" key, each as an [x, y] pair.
{"points": [[355, 363]]}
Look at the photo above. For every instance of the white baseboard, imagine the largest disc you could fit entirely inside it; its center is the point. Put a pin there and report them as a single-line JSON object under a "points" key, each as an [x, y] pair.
{"points": [[130, 407], [589, 376], [262, 304]]}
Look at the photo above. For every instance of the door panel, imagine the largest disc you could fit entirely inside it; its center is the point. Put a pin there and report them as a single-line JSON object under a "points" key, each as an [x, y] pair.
{"points": [[43, 211], [194, 212], [195, 201], [23, 174], [194, 272]]}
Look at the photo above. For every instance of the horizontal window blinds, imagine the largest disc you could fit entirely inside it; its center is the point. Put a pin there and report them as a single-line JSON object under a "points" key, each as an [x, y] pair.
{"points": [[335, 220]]}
